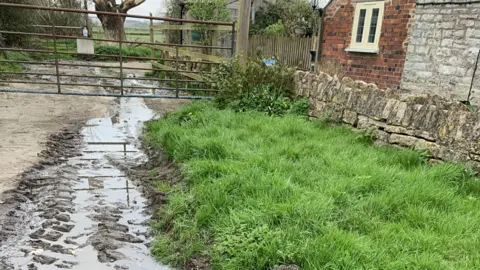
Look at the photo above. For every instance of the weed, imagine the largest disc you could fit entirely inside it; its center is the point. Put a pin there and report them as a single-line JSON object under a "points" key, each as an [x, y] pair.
{"points": [[261, 191], [161, 186]]}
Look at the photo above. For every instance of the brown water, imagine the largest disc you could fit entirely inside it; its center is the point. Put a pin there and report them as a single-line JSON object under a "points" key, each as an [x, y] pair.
{"points": [[86, 214]]}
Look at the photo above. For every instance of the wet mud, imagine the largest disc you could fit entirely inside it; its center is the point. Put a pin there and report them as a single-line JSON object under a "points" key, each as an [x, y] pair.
{"points": [[79, 208]]}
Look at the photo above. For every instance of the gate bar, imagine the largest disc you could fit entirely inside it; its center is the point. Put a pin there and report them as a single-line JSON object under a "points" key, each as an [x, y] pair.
{"points": [[116, 41], [100, 55], [98, 94], [176, 71]]}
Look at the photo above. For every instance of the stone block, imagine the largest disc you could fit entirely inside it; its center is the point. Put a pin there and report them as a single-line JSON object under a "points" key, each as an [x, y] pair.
{"points": [[399, 130], [422, 49], [428, 17], [445, 25], [471, 32], [403, 140], [418, 41], [381, 136], [313, 89], [365, 122], [447, 42], [467, 23], [425, 135], [389, 108], [433, 148], [349, 117], [397, 114], [348, 82], [459, 33], [446, 70]]}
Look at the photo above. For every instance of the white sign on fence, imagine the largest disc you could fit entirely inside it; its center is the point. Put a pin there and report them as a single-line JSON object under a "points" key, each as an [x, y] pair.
{"points": [[85, 46]]}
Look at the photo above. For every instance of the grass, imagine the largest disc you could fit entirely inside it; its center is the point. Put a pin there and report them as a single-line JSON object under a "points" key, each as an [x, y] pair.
{"points": [[261, 191], [70, 46], [12, 67], [22, 56], [131, 34], [135, 51]]}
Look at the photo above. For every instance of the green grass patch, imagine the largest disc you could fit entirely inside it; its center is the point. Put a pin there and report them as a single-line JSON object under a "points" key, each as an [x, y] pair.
{"points": [[261, 191], [136, 51], [13, 67]]}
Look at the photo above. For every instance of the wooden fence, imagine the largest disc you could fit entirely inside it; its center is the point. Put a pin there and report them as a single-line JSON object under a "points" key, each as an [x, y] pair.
{"points": [[293, 51]]}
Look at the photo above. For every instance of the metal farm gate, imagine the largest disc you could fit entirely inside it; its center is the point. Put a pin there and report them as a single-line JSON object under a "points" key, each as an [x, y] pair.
{"points": [[180, 65]]}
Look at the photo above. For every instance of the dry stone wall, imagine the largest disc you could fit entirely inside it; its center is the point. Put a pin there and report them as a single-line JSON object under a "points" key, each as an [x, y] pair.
{"points": [[448, 129]]}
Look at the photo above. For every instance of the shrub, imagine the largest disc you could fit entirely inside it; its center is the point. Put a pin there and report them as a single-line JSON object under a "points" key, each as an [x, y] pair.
{"points": [[276, 29], [256, 86]]}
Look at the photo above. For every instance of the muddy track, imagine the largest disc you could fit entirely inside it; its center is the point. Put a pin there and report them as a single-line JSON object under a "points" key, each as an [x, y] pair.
{"points": [[169, 173], [77, 208]]}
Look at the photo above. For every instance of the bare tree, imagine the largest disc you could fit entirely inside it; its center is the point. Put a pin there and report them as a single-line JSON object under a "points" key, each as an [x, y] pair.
{"points": [[113, 25], [59, 18]]}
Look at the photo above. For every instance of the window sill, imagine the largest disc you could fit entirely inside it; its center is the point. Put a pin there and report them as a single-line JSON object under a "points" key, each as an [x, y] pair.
{"points": [[361, 50]]}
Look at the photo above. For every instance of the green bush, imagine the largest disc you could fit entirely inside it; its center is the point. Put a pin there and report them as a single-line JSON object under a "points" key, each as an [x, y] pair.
{"points": [[276, 29], [256, 86]]}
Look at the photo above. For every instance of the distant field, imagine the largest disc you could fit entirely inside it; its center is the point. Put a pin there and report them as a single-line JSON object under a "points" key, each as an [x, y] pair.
{"points": [[133, 34]]}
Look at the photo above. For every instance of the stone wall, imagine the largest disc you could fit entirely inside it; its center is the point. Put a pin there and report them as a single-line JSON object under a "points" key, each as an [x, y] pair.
{"points": [[443, 49], [383, 68], [448, 129]]}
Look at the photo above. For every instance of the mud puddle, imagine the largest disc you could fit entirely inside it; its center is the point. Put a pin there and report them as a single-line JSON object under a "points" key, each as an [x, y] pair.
{"points": [[80, 210]]}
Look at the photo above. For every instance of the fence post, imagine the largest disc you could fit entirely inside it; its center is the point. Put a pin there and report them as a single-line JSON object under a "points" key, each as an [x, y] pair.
{"points": [[120, 37], [233, 39], [319, 43], [243, 28], [152, 36], [176, 71], [57, 73]]}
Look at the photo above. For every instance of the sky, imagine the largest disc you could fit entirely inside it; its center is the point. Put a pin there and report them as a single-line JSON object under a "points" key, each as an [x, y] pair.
{"points": [[156, 7]]}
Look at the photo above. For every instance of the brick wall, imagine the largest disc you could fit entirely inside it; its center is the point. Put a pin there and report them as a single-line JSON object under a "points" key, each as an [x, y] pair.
{"points": [[443, 50], [385, 68]]}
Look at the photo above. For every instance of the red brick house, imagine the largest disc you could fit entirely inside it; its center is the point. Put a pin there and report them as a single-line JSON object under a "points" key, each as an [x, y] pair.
{"points": [[368, 38]]}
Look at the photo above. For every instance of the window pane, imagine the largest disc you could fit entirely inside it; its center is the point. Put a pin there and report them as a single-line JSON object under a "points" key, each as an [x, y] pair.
{"points": [[361, 24], [373, 25]]}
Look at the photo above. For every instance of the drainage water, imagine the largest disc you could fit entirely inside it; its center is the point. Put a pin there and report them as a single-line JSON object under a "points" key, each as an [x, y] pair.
{"points": [[88, 215]]}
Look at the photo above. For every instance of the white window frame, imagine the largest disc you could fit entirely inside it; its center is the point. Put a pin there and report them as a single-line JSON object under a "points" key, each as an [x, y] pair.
{"points": [[365, 46]]}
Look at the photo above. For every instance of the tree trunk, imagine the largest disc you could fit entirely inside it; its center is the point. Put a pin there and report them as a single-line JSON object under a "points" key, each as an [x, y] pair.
{"points": [[113, 25]]}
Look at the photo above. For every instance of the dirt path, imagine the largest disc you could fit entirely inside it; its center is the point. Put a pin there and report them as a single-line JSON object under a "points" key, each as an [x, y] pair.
{"points": [[26, 122], [69, 202]]}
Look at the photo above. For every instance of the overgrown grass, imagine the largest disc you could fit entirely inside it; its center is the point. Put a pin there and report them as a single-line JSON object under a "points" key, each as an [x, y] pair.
{"points": [[261, 191]]}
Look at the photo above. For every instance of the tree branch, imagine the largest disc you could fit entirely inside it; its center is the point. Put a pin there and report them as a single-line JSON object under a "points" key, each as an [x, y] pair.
{"points": [[126, 5]]}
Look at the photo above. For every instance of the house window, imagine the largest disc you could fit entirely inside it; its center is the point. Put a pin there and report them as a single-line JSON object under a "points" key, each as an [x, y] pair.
{"points": [[367, 26]]}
